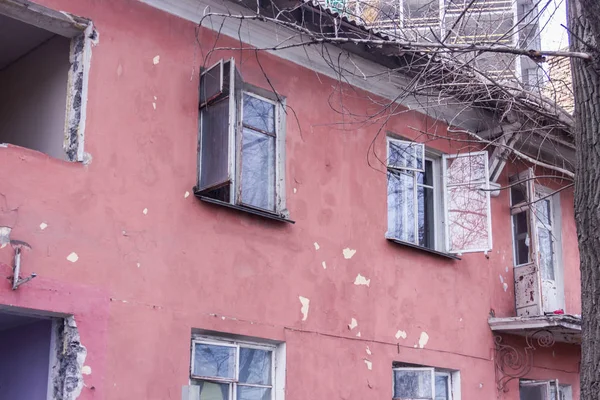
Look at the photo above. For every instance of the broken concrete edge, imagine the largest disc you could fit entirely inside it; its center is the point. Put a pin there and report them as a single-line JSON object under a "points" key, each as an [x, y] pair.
{"points": [[80, 58], [58, 22], [66, 371]]}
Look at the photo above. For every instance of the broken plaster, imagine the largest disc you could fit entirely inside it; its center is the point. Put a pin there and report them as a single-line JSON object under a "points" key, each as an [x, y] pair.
{"points": [[423, 339], [369, 364], [43, 225], [361, 280], [156, 60], [4, 236], [305, 306], [348, 253], [145, 211], [368, 350], [353, 324], [401, 334], [186, 195], [67, 372], [73, 257], [317, 247], [324, 265]]}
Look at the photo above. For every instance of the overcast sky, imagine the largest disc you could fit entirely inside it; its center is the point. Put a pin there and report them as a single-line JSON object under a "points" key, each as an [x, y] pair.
{"points": [[553, 35]]}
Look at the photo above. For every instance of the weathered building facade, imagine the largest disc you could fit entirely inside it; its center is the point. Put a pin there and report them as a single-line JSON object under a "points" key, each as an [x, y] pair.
{"points": [[255, 239]]}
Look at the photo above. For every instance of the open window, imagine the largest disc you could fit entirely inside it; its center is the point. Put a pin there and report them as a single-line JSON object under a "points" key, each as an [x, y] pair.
{"points": [[544, 390], [417, 382], [421, 203], [44, 62], [536, 245], [241, 158], [229, 369]]}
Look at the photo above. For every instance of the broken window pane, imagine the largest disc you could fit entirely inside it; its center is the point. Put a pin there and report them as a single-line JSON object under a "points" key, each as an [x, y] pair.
{"points": [[214, 391], [214, 145], [401, 206], [258, 170], [413, 384], [255, 366], [212, 360], [259, 114], [406, 155], [442, 387], [253, 393]]}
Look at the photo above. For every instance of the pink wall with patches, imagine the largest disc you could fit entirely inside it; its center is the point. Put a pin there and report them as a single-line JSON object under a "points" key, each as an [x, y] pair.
{"points": [[143, 281]]}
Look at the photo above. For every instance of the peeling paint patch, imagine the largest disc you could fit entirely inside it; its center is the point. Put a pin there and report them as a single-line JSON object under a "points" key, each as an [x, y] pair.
{"points": [[43, 225], [423, 339], [138, 265], [145, 211], [353, 324], [505, 286], [348, 253], [154, 105], [73, 257], [501, 278], [66, 373], [305, 306], [156, 60], [506, 269], [368, 350], [295, 190], [86, 370], [4, 236], [186, 195], [358, 334], [369, 364], [401, 334], [324, 265], [317, 247], [361, 280]]}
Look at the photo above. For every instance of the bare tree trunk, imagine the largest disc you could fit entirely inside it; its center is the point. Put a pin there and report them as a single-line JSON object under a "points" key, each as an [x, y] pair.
{"points": [[584, 26]]}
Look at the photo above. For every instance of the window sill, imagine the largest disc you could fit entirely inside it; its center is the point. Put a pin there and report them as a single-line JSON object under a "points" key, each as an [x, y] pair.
{"points": [[425, 249], [253, 211]]}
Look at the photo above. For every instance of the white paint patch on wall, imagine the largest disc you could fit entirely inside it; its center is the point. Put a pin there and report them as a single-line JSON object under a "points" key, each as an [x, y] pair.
{"points": [[86, 370], [324, 265], [423, 339], [145, 211], [505, 286], [317, 247], [348, 253], [361, 280], [401, 334], [353, 324], [305, 306], [156, 60], [43, 225], [73, 257], [368, 350], [369, 364], [186, 195]]}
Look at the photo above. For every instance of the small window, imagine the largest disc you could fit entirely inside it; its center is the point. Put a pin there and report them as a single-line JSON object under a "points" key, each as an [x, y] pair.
{"points": [[44, 62], [235, 370], [415, 382], [544, 390], [242, 142]]}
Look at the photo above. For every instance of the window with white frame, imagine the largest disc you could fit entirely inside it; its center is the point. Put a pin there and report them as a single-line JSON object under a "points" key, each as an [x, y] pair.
{"points": [[544, 390], [535, 214], [415, 382], [438, 202], [241, 158], [224, 369]]}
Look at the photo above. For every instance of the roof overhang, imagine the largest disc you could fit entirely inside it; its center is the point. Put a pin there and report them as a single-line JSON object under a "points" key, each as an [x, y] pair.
{"points": [[564, 328]]}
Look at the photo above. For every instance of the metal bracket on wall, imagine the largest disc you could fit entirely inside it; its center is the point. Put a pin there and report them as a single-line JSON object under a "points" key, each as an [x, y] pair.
{"points": [[16, 279], [513, 363]]}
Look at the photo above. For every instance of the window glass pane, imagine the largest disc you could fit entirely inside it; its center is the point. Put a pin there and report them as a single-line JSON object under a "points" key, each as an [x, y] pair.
{"points": [[413, 384], [441, 387], [255, 366], [426, 178], [211, 360], [534, 392], [401, 206], [258, 170], [214, 391], [426, 223], [521, 237], [466, 169], [259, 114], [517, 194], [546, 253], [214, 145], [467, 218], [210, 84], [253, 393], [542, 212], [405, 155]]}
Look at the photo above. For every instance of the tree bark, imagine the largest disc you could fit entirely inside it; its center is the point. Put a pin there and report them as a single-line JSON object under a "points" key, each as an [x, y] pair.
{"points": [[584, 27]]}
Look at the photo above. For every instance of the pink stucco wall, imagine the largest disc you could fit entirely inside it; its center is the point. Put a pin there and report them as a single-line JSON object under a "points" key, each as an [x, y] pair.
{"points": [[142, 282]]}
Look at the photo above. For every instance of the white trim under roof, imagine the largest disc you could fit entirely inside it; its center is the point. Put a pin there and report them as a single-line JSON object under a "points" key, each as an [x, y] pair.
{"points": [[261, 34]]}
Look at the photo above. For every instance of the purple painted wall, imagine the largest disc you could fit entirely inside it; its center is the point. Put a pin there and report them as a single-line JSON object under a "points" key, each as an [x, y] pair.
{"points": [[24, 361]]}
